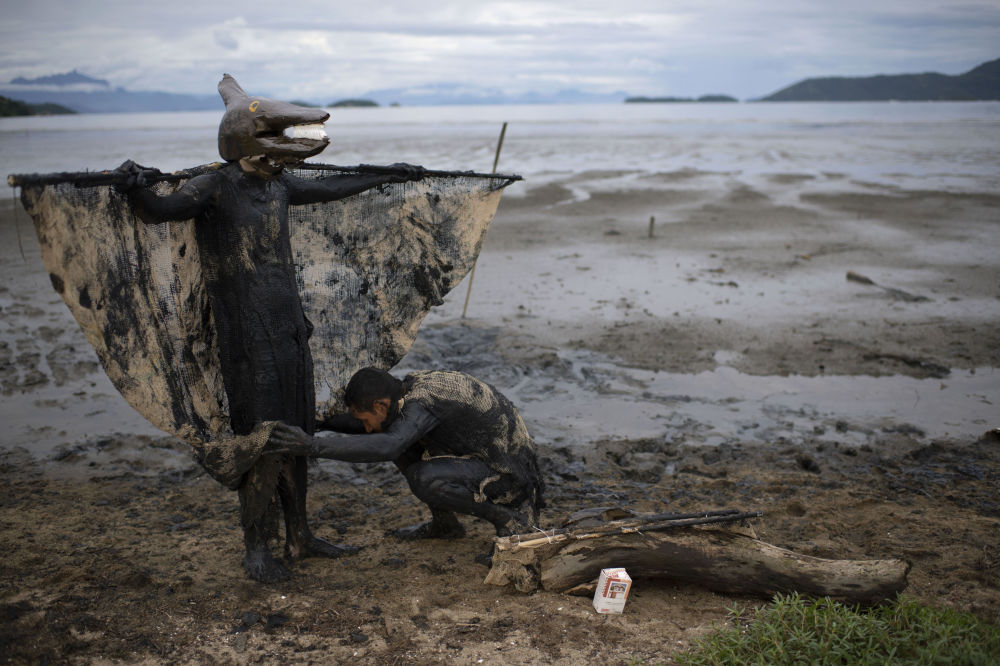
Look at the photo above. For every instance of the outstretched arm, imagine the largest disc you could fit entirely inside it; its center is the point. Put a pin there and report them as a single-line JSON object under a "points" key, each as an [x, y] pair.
{"points": [[412, 424], [332, 188], [187, 202], [344, 423]]}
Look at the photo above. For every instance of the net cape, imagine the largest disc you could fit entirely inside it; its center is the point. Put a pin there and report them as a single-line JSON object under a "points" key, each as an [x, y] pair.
{"points": [[369, 268]]}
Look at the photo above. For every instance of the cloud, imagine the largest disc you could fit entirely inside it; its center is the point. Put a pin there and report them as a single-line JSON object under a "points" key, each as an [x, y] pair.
{"points": [[321, 50], [225, 39]]}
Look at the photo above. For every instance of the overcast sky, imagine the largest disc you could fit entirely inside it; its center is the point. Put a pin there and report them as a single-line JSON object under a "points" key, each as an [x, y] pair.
{"points": [[341, 48]]}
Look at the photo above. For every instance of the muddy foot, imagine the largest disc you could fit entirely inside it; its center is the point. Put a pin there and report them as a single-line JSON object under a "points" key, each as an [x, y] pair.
{"points": [[315, 547], [432, 529], [517, 524], [262, 567]]}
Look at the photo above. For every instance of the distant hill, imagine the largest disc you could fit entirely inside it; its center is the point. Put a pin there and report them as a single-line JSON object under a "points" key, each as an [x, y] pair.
{"points": [[73, 78], [14, 107], [85, 94], [674, 100], [351, 103], [981, 83]]}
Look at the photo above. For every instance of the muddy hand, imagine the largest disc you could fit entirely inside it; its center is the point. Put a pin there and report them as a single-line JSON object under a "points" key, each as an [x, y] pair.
{"points": [[133, 175], [288, 439], [410, 171]]}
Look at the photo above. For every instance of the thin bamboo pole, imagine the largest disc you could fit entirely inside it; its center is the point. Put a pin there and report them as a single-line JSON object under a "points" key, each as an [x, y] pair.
{"points": [[472, 273]]}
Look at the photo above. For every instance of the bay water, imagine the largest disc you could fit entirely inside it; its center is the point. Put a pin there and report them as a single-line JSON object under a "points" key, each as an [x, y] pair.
{"points": [[915, 146], [939, 145]]}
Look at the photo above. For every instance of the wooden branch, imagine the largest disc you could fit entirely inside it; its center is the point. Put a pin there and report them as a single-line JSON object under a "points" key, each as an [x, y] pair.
{"points": [[113, 176], [723, 559], [107, 177], [389, 170]]}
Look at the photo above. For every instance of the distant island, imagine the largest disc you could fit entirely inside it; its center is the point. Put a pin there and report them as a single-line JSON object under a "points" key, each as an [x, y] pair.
{"points": [[980, 83], [351, 103], [73, 78], [73, 92], [13, 107], [79, 93], [86, 94], [674, 100]]}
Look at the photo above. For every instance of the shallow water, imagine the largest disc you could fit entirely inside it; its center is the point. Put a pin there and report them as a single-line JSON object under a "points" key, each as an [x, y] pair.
{"points": [[604, 400], [50, 417], [952, 146], [930, 145], [725, 405], [609, 282]]}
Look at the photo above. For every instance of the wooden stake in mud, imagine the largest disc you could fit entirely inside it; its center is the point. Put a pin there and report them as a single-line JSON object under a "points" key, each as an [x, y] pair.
{"points": [[472, 273], [651, 222]]}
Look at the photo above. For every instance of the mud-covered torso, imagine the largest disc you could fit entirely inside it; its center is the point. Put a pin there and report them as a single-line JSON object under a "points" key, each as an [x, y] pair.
{"points": [[245, 232], [475, 420], [246, 255]]}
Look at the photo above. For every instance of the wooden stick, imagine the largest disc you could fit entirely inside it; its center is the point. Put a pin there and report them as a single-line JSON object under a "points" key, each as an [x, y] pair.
{"points": [[99, 178], [374, 168], [496, 157], [651, 221], [654, 523], [472, 272], [113, 176]]}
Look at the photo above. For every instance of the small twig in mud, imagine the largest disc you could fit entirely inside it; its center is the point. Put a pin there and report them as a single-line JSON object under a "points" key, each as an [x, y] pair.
{"points": [[897, 294], [860, 279]]}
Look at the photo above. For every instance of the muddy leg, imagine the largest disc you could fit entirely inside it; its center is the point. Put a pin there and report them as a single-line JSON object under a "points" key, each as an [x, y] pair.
{"points": [[300, 541], [443, 523], [256, 493], [451, 486]]}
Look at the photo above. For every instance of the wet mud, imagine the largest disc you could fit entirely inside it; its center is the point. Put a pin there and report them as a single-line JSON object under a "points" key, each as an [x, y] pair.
{"points": [[139, 564], [860, 424]]}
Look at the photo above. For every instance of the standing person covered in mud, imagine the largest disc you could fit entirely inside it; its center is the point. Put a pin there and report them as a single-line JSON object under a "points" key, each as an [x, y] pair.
{"points": [[241, 214], [461, 445]]}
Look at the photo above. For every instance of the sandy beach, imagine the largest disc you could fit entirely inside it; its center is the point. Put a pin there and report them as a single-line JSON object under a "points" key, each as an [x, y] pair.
{"points": [[810, 345]]}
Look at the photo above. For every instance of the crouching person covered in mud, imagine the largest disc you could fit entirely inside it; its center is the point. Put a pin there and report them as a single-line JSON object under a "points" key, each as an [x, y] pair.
{"points": [[460, 443]]}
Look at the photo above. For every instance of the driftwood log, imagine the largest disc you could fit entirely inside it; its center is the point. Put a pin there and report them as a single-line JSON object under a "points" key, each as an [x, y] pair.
{"points": [[695, 548]]}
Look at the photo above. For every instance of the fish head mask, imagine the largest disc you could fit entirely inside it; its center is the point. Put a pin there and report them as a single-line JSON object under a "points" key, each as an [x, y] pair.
{"points": [[262, 128]]}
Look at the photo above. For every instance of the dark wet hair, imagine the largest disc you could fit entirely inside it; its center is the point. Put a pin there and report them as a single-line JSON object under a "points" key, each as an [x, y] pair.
{"points": [[371, 384]]}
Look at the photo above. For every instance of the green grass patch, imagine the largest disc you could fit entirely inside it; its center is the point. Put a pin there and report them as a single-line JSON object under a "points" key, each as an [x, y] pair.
{"points": [[800, 630]]}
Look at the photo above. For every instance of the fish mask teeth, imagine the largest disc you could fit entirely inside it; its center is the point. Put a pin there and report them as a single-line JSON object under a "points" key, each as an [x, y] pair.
{"points": [[315, 131]]}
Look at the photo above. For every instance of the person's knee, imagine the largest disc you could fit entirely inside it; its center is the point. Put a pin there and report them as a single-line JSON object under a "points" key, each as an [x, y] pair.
{"points": [[423, 482]]}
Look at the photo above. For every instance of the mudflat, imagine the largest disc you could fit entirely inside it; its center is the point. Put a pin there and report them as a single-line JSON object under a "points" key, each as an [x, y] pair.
{"points": [[820, 349]]}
